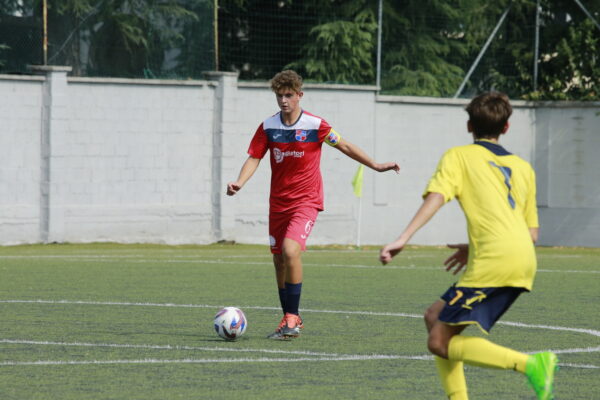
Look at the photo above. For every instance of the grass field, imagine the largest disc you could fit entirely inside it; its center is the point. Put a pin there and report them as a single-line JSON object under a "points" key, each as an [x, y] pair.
{"points": [[108, 321]]}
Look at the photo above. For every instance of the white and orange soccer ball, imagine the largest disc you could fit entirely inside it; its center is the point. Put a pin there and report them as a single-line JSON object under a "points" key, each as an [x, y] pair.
{"points": [[230, 323]]}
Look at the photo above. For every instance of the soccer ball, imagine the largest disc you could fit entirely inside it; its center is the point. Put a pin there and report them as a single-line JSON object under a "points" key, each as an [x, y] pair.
{"points": [[230, 323]]}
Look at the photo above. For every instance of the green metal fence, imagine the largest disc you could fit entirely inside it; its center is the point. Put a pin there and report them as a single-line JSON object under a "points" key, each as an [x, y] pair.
{"points": [[538, 49]]}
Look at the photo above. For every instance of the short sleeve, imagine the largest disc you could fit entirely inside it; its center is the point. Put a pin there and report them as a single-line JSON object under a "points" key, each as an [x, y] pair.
{"points": [[259, 144], [447, 179], [324, 130], [530, 210]]}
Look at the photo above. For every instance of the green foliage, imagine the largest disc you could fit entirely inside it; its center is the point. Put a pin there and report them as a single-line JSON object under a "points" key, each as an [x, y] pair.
{"points": [[428, 45], [573, 71], [196, 48], [420, 39], [2, 47], [259, 37], [340, 51], [127, 37]]}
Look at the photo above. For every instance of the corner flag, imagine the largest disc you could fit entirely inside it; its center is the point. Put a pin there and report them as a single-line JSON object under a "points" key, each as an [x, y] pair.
{"points": [[357, 182]]}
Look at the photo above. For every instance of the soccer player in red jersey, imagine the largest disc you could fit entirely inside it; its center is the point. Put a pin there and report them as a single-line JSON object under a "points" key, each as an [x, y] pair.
{"points": [[294, 138]]}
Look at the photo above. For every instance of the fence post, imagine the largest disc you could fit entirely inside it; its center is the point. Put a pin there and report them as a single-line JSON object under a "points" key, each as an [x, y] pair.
{"points": [[536, 50], [224, 114], [54, 120]]}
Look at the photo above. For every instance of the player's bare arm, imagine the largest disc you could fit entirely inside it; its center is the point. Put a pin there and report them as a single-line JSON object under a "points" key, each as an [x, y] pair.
{"points": [[356, 153], [246, 173], [534, 232], [432, 203]]}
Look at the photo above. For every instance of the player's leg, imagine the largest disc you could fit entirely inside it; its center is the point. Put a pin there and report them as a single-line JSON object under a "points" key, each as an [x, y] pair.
{"points": [[451, 373], [484, 307], [277, 227], [299, 228], [288, 271], [288, 239], [539, 368], [292, 260], [280, 278], [278, 223]]}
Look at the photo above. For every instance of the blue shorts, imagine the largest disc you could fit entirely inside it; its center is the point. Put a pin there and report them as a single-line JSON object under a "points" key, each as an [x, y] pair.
{"points": [[479, 306]]}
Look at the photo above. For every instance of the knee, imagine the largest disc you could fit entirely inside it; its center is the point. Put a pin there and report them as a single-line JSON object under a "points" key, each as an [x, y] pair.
{"points": [[290, 253], [437, 345], [430, 317]]}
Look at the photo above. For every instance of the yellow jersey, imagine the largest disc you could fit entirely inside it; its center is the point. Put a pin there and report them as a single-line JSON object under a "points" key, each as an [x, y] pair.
{"points": [[496, 191]]}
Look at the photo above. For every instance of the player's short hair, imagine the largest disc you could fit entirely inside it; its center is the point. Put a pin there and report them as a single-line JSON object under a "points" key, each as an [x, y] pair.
{"points": [[488, 114], [287, 79]]}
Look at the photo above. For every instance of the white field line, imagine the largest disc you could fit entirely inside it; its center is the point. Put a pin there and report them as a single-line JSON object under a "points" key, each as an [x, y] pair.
{"points": [[248, 350], [168, 347], [577, 350], [226, 360], [591, 332], [316, 356], [584, 366], [211, 360], [366, 253], [191, 260]]}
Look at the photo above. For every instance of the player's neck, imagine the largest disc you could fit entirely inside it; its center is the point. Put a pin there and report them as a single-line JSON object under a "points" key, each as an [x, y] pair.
{"points": [[493, 140], [290, 118]]}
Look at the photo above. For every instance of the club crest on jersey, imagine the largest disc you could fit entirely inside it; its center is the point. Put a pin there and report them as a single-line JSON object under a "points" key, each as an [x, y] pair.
{"points": [[301, 135]]}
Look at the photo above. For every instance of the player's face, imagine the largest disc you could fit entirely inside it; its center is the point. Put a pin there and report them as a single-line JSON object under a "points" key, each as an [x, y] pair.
{"points": [[288, 101]]}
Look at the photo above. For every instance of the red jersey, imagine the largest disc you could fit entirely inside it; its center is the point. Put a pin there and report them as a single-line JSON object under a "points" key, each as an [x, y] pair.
{"points": [[295, 159]]}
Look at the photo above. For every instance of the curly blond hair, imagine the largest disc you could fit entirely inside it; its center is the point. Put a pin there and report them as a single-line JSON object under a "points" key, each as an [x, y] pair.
{"points": [[287, 79]]}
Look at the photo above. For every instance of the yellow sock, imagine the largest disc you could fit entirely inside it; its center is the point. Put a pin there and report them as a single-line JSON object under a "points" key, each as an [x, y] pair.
{"points": [[483, 353], [452, 375]]}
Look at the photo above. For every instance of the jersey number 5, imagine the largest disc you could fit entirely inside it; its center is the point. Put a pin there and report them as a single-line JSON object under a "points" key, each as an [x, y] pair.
{"points": [[506, 172]]}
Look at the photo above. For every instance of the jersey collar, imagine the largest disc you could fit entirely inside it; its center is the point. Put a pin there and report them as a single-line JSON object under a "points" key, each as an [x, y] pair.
{"points": [[294, 123], [493, 147]]}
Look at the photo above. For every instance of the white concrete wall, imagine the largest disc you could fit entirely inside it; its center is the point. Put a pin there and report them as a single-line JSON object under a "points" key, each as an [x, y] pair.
{"points": [[20, 127], [134, 163], [412, 131], [568, 170], [147, 161]]}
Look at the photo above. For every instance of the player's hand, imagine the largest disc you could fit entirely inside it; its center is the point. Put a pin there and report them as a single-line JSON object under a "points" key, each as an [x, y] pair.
{"points": [[387, 167], [459, 259], [233, 188], [389, 251]]}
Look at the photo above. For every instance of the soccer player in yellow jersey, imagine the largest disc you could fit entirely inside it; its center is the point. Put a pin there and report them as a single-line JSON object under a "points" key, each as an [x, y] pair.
{"points": [[496, 191]]}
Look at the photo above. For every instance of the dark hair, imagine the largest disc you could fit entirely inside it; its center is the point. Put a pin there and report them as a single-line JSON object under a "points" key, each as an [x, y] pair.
{"points": [[287, 79], [488, 114]]}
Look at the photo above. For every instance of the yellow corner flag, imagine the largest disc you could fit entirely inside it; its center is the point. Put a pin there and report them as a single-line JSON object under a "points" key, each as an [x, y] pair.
{"points": [[357, 182]]}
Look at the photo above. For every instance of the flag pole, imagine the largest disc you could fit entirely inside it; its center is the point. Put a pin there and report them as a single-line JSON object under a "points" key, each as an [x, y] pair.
{"points": [[359, 221], [45, 31], [357, 183]]}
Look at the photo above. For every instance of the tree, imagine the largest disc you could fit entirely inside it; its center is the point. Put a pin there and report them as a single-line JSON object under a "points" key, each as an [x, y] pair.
{"points": [[568, 54], [126, 37], [196, 53], [573, 71], [424, 47], [259, 37], [341, 49], [20, 36]]}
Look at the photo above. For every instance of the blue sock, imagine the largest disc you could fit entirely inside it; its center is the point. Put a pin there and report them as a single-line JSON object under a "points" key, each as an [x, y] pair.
{"points": [[282, 297], [292, 301]]}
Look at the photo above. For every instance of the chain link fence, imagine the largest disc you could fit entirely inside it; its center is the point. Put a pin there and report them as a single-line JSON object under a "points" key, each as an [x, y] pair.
{"points": [[441, 48]]}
